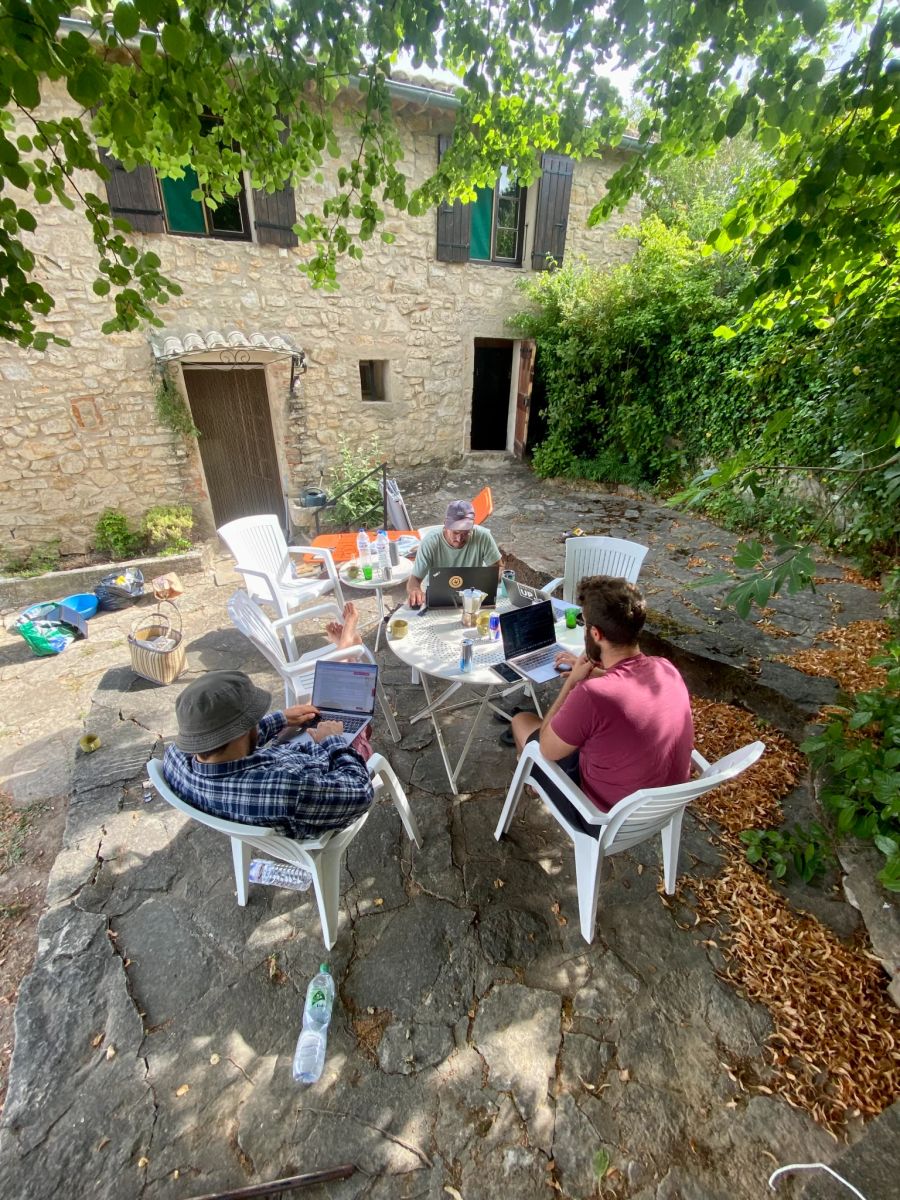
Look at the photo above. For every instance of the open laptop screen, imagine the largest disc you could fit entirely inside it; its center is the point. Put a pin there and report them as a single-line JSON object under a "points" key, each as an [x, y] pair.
{"points": [[527, 629], [345, 686]]}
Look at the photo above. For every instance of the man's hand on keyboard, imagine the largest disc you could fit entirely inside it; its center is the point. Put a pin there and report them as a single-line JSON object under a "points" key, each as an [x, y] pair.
{"points": [[326, 729], [582, 669], [565, 660], [300, 714]]}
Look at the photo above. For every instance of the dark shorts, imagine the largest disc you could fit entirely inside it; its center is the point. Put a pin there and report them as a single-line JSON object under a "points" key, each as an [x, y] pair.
{"points": [[561, 803]]}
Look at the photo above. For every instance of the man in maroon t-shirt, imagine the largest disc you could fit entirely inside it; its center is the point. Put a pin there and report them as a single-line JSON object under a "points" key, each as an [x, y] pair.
{"points": [[622, 720]]}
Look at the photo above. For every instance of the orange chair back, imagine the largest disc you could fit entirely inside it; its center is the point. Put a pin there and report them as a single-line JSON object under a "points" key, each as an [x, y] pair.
{"points": [[483, 505]]}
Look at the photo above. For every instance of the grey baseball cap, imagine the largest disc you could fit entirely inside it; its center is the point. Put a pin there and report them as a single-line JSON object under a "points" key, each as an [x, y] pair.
{"points": [[460, 515], [217, 707]]}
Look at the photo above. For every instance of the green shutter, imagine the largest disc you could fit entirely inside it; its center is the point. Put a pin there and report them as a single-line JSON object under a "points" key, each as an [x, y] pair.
{"points": [[184, 214], [482, 220]]}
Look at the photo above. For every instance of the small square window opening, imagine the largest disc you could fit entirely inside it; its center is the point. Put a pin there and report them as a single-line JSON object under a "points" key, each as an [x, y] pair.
{"points": [[373, 378]]}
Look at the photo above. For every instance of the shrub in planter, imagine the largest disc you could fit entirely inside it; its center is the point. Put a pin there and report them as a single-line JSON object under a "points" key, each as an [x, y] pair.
{"points": [[167, 528], [113, 537]]}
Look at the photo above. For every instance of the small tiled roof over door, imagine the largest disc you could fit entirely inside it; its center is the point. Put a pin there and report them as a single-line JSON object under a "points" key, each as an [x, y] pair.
{"points": [[167, 347]]}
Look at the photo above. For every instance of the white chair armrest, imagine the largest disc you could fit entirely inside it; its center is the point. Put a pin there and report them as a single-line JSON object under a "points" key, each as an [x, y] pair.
{"points": [[264, 575], [551, 587], [699, 761], [573, 793], [306, 665]]}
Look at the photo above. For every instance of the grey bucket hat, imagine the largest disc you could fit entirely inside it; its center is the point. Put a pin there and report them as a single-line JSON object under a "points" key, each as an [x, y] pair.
{"points": [[217, 707], [460, 515]]}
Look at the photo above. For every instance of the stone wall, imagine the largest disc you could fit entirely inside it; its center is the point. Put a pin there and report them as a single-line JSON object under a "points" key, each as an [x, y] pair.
{"points": [[78, 425]]}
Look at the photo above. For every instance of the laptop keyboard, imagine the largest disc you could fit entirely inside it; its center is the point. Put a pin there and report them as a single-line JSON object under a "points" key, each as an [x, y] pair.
{"points": [[351, 724], [539, 658]]}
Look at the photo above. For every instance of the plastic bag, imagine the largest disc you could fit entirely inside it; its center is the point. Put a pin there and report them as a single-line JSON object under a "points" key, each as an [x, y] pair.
{"points": [[119, 589], [46, 637]]}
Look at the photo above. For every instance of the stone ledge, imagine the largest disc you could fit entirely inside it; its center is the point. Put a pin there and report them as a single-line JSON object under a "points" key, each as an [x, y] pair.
{"points": [[16, 593]]}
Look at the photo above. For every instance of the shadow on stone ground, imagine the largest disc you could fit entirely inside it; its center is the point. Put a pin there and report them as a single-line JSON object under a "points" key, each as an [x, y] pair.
{"points": [[479, 1044]]}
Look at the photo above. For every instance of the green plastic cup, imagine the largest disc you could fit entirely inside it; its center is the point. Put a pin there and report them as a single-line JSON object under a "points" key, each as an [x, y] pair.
{"points": [[367, 572], [571, 618]]}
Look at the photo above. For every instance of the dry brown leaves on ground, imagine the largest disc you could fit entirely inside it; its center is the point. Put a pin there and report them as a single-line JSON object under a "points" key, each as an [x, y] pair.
{"points": [[369, 1028], [752, 800], [851, 575], [855, 644], [836, 1043]]}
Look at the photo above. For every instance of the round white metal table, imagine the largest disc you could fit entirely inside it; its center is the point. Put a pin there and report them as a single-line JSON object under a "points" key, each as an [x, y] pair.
{"points": [[399, 575], [432, 648]]}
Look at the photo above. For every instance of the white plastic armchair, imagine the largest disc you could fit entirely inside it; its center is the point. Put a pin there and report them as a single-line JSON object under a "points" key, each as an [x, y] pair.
{"points": [[297, 673], [635, 818], [263, 557], [320, 856], [597, 556]]}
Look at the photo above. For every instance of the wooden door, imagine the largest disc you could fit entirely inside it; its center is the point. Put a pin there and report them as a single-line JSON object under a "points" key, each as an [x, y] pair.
{"points": [[237, 446], [523, 396]]}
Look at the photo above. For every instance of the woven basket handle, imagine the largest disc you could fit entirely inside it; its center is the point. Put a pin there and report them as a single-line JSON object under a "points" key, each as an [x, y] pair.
{"points": [[158, 617]]}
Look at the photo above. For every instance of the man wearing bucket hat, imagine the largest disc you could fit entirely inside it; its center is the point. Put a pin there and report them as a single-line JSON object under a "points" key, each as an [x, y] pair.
{"points": [[226, 761], [461, 543]]}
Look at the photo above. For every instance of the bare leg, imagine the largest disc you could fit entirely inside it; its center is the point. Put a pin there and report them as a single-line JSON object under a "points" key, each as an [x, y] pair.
{"points": [[523, 725], [344, 635]]}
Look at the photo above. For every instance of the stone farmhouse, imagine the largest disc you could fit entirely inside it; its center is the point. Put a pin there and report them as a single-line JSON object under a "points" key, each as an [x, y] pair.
{"points": [[414, 349]]}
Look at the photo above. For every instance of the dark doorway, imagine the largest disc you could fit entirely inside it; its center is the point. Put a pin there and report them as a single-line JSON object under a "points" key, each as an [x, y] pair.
{"points": [[490, 393], [237, 446]]}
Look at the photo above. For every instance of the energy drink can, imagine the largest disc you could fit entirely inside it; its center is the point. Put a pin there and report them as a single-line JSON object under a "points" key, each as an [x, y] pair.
{"points": [[494, 627], [465, 654]]}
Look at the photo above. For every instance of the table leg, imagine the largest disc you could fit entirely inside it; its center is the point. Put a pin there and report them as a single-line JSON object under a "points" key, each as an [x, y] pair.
{"points": [[379, 592], [465, 750], [429, 711]]}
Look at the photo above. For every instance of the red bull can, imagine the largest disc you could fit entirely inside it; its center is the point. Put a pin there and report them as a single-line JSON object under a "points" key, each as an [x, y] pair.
{"points": [[494, 627], [465, 654]]}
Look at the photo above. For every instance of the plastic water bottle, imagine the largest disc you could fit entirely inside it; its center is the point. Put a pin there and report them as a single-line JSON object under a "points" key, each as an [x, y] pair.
{"points": [[362, 548], [309, 1057], [383, 551]]}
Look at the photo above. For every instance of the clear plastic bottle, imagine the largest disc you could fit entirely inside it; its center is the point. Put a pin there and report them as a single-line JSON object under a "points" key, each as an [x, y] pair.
{"points": [[362, 548], [309, 1057], [383, 552]]}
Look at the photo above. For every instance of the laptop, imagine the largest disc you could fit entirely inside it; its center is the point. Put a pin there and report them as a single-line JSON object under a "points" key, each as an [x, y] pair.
{"points": [[529, 641], [344, 691], [521, 595], [445, 582]]}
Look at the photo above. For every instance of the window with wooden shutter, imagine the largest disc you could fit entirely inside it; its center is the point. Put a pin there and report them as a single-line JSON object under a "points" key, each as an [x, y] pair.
{"points": [[274, 217], [275, 213], [453, 221], [133, 195], [552, 218]]}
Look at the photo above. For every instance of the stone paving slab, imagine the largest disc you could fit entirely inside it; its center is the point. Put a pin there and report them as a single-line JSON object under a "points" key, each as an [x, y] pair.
{"points": [[478, 1043]]}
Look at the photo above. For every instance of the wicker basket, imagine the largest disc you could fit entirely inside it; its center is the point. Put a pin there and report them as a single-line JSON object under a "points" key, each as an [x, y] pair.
{"points": [[161, 663]]}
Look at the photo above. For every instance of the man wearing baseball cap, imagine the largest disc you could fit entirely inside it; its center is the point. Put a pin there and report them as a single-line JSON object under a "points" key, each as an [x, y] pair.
{"points": [[226, 760], [461, 543]]}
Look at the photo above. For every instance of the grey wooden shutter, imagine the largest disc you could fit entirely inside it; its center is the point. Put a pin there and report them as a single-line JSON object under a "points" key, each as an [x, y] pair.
{"points": [[454, 221], [133, 195], [551, 222], [275, 213]]}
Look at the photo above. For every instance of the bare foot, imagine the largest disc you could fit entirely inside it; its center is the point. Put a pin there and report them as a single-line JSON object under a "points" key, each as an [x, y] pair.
{"points": [[348, 635]]}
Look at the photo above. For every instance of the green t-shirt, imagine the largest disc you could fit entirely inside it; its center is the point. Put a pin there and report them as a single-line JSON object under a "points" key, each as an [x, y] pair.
{"points": [[479, 551]]}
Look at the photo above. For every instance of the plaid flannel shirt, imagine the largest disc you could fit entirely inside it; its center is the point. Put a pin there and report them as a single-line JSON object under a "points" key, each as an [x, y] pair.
{"points": [[299, 787]]}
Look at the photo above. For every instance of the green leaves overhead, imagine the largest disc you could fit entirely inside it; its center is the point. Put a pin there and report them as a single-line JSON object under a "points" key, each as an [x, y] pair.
{"points": [[537, 76]]}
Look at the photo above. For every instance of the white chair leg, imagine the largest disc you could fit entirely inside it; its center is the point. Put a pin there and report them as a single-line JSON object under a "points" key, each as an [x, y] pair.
{"points": [[513, 796], [534, 700], [587, 879], [379, 766], [327, 884], [388, 713], [671, 842], [241, 854]]}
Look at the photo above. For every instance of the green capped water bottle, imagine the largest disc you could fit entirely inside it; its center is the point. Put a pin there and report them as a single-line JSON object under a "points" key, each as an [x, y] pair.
{"points": [[309, 1057]]}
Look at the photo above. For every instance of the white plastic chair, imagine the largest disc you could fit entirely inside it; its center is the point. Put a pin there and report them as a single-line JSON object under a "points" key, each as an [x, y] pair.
{"points": [[263, 557], [297, 673], [320, 856], [597, 556], [634, 819], [426, 529]]}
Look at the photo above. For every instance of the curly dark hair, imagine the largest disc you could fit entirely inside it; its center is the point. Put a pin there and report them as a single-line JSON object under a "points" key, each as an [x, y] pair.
{"points": [[614, 606]]}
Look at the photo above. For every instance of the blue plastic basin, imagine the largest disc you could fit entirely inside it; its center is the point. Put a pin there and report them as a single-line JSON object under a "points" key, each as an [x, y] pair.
{"points": [[85, 603]]}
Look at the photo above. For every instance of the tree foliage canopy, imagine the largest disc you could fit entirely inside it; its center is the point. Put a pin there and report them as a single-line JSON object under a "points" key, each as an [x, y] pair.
{"points": [[824, 222]]}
